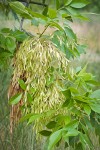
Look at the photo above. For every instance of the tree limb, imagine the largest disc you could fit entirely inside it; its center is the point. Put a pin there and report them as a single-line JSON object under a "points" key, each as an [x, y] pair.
{"points": [[33, 2], [22, 20], [28, 33]]}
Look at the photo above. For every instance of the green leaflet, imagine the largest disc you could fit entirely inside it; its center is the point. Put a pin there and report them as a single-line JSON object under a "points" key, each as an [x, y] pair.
{"points": [[51, 125], [19, 8], [54, 138], [22, 84], [10, 44], [52, 13], [15, 99], [95, 94], [68, 2], [87, 109], [37, 15], [79, 3], [33, 118], [95, 107], [69, 32], [45, 132]]}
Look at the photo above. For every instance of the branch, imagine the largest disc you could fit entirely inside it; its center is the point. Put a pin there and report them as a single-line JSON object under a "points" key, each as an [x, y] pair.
{"points": [[22, 20], [32, 2], [28, 33]]}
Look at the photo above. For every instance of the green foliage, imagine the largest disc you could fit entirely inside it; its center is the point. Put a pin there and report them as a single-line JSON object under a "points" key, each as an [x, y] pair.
{"points": [[15, 99], [54, 138], [82, 105], [8, 43], [45, 132], [94, 6], [79, 4], [22, 84], [96, 94], [19, 8]]}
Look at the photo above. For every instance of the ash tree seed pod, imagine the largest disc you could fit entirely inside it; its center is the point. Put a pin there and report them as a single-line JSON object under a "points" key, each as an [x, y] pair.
{"points": [[33, 61]]}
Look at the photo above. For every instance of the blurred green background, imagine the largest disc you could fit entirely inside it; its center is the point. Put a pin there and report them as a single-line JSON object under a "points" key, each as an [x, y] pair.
{"points": [[88, 33]]}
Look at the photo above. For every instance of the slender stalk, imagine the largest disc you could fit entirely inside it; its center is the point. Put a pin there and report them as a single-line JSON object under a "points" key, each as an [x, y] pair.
{"points": [[44, 30], [22, 20]]}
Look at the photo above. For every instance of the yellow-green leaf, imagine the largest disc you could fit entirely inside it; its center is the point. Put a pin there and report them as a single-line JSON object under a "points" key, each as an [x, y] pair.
{"points": [[79, 3], [15, 99], [22, 84], [52, 13], [54, 138]]}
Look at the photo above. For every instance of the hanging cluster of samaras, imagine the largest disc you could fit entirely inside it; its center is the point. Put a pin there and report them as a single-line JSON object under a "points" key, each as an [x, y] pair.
{"points": [[43, 68]]}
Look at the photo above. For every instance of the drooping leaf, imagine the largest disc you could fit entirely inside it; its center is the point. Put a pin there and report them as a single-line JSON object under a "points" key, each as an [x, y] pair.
{"points": [[72, 124], [78, 146], [26, 117], [20, 9], [68, 17], [55, 24], [72, 11], [63, 118], [78, 69], [10, 44], [66, 103], [29, 98], [85, 141], [2, 41], [86, 76], [45, 132], [87, 109], [51, 125], [45, 11], [95, 107], [79, 3], [36, 15], [68, 2], [67, 94], [19, 35], [33, 118], [93, 82], [15, 99], [81, 17], [83, 70], [22, 84], [72, 132], [96, 94], [81, 99], [52, 13], [81, 48], [56, 41], [6, 30], [69, 32], [5, 54], [74, 91], [54, 138], [32, 90], [88, 123]]}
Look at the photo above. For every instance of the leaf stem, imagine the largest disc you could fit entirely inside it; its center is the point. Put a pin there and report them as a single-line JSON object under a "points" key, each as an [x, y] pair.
{"points": [[44, 30]]}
